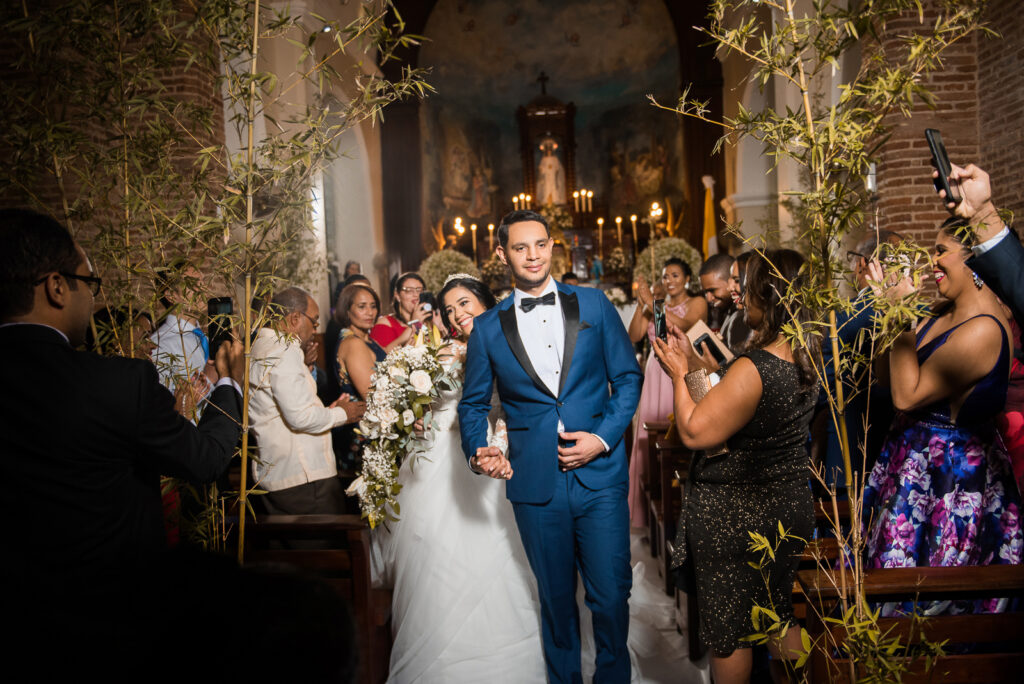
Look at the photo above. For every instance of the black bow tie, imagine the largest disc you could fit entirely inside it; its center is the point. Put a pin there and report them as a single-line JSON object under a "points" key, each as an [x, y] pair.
{"points": [[529, 303]]}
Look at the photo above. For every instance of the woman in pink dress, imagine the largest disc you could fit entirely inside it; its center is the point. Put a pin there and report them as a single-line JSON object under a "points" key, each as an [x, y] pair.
{"points": [[682, 310]]}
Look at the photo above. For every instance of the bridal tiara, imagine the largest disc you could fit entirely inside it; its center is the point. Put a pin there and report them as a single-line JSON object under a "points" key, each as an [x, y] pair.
{"points": [[459, 276]]}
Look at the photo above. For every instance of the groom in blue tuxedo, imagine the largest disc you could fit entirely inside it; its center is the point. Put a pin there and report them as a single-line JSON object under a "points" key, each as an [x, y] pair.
{"points": [[569, 384]]}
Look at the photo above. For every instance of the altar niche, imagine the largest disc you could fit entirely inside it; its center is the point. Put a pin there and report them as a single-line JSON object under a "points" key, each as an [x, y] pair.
{"points": [[547, 146]]}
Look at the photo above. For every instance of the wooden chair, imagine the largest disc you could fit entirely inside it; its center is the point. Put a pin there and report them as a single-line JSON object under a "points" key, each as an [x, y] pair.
{"points": [[344, 563], [1002, 635]]}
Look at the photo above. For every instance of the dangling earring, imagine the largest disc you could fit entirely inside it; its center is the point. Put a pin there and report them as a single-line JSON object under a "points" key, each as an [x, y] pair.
{"points": [[978, 282]]}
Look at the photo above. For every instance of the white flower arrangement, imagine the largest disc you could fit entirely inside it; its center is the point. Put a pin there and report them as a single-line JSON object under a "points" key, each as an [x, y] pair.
{"points": [[616, 296], [402, 388]]}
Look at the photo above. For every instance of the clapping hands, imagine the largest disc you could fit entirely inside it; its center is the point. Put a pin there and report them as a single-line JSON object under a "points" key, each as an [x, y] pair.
{"points": [[676, 355]]}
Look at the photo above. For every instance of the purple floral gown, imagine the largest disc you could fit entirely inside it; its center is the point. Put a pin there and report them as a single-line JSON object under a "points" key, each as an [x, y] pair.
{"points": [[942, 492]]}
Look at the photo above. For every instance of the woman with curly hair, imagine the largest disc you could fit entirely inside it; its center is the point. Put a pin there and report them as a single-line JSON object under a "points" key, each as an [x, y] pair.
{"points": [[761, 410]]}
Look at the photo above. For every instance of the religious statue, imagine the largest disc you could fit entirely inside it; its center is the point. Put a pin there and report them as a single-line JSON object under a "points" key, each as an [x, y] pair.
{"points": [[550, 175]]}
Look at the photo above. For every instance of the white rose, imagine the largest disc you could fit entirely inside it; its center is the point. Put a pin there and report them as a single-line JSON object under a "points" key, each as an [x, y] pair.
{"points": [[396, 372], [408, 417], [420, 381], [388, 416], [357, 488]]}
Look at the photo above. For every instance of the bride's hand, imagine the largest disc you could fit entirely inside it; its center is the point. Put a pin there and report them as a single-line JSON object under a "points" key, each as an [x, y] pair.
{"points": [[417, 428], [491, 462]]}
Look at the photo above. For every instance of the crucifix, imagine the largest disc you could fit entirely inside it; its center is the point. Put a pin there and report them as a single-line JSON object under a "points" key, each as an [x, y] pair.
{"points": [[543, 80]]}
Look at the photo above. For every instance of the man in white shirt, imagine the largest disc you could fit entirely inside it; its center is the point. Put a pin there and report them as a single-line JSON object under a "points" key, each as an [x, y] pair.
{"points": [[296, 464], [180, 347]]}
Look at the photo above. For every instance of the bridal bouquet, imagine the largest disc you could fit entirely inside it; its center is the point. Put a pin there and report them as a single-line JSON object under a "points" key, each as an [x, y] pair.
{"points": [[403, 386]]}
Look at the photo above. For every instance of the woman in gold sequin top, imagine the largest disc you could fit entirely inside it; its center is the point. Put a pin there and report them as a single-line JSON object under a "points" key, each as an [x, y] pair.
{"points": [[761, 409]]}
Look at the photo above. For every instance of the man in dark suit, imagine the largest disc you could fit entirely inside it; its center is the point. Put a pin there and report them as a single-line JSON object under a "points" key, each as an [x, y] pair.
{"points": [[998, 255], [85, 437]]}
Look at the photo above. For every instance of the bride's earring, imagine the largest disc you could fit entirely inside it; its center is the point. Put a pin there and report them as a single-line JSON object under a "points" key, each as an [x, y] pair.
{"points": [[978, 282]]}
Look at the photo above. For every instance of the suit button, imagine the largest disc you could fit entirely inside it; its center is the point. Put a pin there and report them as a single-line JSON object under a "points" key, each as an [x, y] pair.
{"points": [[558, 403]]}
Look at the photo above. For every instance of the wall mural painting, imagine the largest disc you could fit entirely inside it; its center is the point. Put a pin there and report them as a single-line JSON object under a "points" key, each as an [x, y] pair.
{"points": [[486, 57]]}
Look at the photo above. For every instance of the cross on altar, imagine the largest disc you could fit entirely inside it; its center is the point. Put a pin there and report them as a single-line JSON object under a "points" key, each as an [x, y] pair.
{"points": [[543, 80]]}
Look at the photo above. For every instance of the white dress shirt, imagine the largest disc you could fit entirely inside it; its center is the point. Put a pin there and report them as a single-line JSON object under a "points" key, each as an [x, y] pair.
{"points": [[177, 352], [991, 242], [292, 425], [542, 331]]}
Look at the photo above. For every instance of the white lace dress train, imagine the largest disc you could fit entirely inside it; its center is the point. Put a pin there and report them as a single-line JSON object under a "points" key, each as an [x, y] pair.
{"points": [[465, 603]]}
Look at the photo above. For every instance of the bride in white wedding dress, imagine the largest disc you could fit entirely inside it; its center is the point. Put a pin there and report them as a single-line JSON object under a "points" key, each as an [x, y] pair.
{"points": [[465, 603]]}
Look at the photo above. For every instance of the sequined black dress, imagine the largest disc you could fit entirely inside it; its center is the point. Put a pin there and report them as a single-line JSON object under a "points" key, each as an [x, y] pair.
{"points": [[762, 480]]}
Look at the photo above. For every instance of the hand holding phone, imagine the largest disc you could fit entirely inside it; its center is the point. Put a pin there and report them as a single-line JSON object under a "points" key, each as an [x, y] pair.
{"points": [[660, 321]]}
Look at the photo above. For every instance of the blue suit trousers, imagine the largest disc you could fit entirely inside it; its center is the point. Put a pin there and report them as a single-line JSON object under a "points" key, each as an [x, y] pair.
{"points": [[587, 531]]}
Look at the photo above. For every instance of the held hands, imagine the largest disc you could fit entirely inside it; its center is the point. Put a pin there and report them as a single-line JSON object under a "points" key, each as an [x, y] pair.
{"points": [[491, 462], [189, 394], [354, 409], [586, 449]]}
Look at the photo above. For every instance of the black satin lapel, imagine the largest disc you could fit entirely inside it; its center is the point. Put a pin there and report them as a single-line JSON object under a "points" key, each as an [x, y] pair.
{"points": [[571, 314], [511, 330]]}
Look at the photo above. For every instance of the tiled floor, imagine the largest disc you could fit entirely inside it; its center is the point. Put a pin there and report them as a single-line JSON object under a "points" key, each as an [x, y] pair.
{"points": [[658, 651]]}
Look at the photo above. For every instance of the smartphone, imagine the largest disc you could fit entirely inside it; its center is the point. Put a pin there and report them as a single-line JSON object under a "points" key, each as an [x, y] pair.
{"points": [[709, 347], [660, 322], [219, 310], [940, 160]]}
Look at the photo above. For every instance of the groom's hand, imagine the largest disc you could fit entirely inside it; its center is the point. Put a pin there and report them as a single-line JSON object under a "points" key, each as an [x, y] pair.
{"points": [[586, 449], [491, 462]]}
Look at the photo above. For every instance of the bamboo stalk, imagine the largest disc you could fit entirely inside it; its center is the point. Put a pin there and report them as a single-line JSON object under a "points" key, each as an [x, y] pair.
{"points": [[246, 308]]}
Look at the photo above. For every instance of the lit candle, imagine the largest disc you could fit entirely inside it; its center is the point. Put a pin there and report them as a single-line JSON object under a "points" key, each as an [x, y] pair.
{"points": [[472, 229], [515, 201], [529, 202], [632, 220], [590, 200], [490, 237], [600, 238], [618, 229], [576, 199]]}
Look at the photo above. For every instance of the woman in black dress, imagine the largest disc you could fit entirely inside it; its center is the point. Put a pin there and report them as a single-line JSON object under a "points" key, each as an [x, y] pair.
{"points": [[356, 356], [762, 410]]}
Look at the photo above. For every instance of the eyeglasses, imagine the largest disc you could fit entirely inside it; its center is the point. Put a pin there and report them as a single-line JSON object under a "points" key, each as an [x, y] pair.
{"points": [[411, 290], [852, 256], [94, 282], [314, 321]]}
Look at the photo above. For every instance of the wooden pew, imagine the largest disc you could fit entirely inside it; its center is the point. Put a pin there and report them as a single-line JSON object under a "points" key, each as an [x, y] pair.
{"points": [[344, 563], [651, 485], [1003, 634], [673, 463]]}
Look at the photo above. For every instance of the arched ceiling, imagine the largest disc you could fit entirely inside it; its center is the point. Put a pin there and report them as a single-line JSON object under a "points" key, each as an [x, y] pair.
{"points": [[489, 54]]}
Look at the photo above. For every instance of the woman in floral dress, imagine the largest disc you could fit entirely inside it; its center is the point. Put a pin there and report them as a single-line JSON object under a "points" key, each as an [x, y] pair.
{"points": [[942, 492]]}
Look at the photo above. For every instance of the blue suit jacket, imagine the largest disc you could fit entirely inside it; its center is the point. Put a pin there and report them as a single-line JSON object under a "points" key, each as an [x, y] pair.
{"points": [[599, 391], [1002, 269]]}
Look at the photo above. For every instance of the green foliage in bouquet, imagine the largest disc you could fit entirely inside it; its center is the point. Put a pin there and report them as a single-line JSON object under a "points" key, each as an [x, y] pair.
{"points": [[439, 265], [404, 385]]}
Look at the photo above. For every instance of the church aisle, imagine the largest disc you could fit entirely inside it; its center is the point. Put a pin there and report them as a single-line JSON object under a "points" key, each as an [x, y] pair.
{"points": [[659, 652]]}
